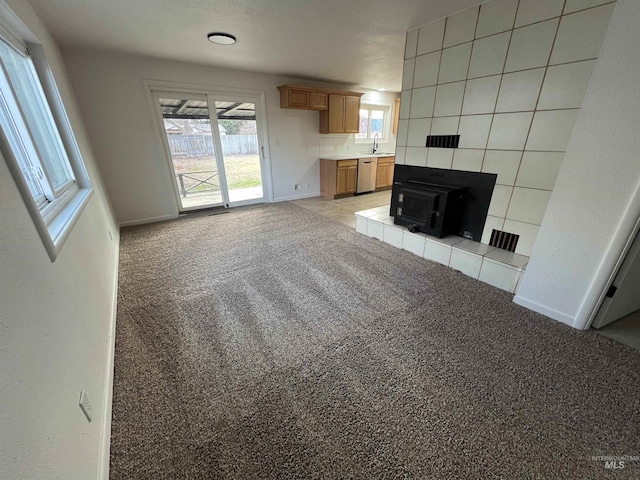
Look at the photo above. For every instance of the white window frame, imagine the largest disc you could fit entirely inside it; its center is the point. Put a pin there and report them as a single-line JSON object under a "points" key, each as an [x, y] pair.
{"points": [[56, 212], [386, 127]]}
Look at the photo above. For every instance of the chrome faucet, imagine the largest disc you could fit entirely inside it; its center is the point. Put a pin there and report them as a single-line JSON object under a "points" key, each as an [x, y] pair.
{"points": [[375, 144]]}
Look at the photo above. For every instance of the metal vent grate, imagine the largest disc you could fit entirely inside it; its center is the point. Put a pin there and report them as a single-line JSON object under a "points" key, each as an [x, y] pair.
{"points": [[504, 240], [443, 141]]}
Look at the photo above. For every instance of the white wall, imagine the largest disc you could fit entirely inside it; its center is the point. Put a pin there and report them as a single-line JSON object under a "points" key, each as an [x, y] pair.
{"points": [[55, 321], [509, 77], [110, 91], [596, 201]]}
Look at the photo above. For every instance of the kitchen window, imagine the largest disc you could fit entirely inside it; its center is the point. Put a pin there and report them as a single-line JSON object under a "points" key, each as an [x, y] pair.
{"points": [[37, 141], [374, 121]]}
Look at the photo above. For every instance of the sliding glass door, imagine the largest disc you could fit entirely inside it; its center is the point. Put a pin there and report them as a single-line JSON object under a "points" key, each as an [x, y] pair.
{"points": [[215, 159]]}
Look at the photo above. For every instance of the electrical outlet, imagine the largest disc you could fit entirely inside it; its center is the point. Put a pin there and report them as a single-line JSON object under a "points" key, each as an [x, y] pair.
{"points": [[297, 186], [85, 405]]}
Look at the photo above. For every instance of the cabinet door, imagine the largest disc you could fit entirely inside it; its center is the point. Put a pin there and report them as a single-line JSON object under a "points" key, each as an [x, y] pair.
{"points": [[390, 174], [336, 113], [352, 114], [352, 179], [318, 101], [382, 175], [341, 186], [298, 99]]}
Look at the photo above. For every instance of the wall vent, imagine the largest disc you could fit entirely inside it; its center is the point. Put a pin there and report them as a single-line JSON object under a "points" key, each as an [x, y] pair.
{"points": [[443, 141], [504, 240]]}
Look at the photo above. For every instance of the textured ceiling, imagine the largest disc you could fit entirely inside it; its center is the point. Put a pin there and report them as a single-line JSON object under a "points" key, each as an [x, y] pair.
{"points": [[356, 42]]}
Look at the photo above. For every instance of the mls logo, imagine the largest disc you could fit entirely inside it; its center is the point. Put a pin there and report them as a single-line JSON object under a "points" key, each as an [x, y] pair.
{"points": [[614, 464]]}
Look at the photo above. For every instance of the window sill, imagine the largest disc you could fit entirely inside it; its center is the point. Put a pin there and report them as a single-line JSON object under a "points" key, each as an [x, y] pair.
{"points": [[55, 234]]}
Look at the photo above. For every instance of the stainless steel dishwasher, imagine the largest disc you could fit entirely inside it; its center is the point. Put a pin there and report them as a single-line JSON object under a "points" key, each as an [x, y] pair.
{"points": [[367, 170]]}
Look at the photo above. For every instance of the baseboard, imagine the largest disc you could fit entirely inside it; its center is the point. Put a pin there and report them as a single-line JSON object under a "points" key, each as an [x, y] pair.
{"points": [[296, 197], [147, 220], [544, 310], [107, 400]]}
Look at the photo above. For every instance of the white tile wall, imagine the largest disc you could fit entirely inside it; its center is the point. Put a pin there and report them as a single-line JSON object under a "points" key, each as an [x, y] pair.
{"points": [[500, 201], [407, 73], [551, 130], [440, 158], [437, 252], [580, 34], [528, 205], [422, 102], [413, 242], [539, 169], [499, 275], [531, 11], [431, 37], [474, 131], [449, 99], [519, 91], [361, 224], [375, 229], [489, 55], [528, 234], [461, 27], [411, 44], [509, 131], [454, 63], [565, 85], [509, 77], [393, 235], [405, 104], [426, 70], [575, 5], [489, 225], [444, 126], [480, 95], [403, 130], [503, 162], [418, 131], [465, 262], [469, 160], [530, 46], [496, 16], [416, 156]]}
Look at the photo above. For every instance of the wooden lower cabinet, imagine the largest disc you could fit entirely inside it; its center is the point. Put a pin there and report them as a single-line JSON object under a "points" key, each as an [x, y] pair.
{"points": [[338, 177], [384, 177]]}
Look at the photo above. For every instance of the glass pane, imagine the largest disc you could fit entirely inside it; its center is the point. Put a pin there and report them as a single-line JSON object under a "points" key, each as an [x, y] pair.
{"points": [[240, 150], [364, 124], [17, 146], [188, 131], [377, 122], [37, 115]]}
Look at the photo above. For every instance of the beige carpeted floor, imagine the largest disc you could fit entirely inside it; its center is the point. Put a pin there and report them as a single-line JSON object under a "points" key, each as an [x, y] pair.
{"points": [[271, 342]]}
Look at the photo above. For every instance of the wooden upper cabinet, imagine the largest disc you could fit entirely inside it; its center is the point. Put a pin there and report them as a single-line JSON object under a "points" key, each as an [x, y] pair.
{"points": [[351, 114], [343, 115], [339, 109], [318, 100]]}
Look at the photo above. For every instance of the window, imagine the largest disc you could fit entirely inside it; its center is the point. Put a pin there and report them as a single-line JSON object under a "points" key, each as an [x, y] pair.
{"points": [[373, 121], [38, 144]]}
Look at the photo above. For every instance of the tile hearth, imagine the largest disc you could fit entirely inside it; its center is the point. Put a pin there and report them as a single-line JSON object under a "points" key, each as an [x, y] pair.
{"points": [[491, 265]]}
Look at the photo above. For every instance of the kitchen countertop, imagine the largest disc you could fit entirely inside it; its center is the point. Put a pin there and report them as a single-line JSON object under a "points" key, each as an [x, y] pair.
{"points": [[355, 156]]}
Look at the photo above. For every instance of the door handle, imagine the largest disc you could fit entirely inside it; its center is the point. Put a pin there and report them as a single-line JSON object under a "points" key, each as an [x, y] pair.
{"points": [[262, 149]]}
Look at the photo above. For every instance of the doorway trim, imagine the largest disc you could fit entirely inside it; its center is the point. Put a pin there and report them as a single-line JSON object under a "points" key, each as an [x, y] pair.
{"points": [[619, 247], [257, 96]]}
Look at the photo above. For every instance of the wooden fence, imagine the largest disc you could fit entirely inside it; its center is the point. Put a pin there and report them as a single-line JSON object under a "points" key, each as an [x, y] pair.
{"points": [[202, 145]]}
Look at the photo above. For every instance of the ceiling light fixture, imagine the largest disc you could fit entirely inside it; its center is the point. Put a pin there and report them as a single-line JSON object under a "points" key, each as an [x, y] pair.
{"points": [[382, 89], [221, 38]]}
